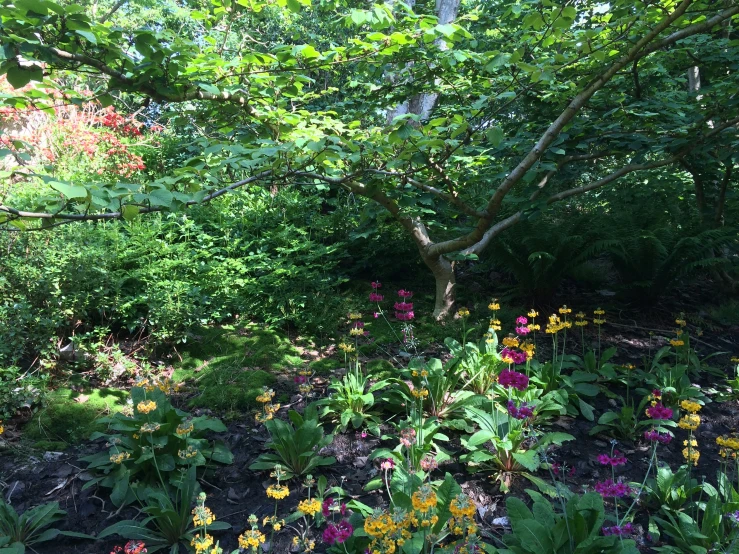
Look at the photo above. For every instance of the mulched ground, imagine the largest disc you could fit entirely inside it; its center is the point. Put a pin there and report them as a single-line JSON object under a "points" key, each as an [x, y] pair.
{"points": [[29, 478]]}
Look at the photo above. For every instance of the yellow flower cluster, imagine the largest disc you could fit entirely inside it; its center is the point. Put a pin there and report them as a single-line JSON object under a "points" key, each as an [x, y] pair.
{"points": [[201, 543], [564, 310], [120, 457], [599, 320], [356, 332], [690, 406], [532, 314], [251, 538], [677, 342], [276, 524], [278, 492], [202, 515], [420, 393], [149, 427], [306, 545], [422, 373], [494, 306], [729, 446], [346, 348], [689, 422], [735, 360], [388, 530], [529, 348], [266, 396], [681, 321], [463, 515], [555, 324], [354, 315], [310, 507], [424, 501], [146, 406], [510, 341], [184, 429], [495, 324], [534, 327], [190, 452], [463, 312], [691, 454], [2, 429]]}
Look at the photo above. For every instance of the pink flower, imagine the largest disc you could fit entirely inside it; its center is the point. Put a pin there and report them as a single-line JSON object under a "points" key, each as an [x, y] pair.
{"points": [[404, 316], [300, 379], [403, 306], [658, 411], [405, 293], [521, 320], [326, 507], [609, 489], [374, 297], [376, 285], [387, 463], [657, 393], [522, 330], [617, 459], [377, 314]]}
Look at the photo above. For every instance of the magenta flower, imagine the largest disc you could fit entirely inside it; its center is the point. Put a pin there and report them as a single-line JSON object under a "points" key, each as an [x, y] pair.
{"points": [[617, 459], [656, 436], [300, 379], [403, 306], [377, 314], [337, 533], [657, 393], [404, 316], [376, 285], [522, 412], [521, 320], [609, 489], [326, 507], [523, 330], [405, 293], [387, 463], [618, 531], [508, 378], [658, 411], [374, 297]]}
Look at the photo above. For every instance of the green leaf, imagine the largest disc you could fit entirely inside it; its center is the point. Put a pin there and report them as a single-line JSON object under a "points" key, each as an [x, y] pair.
{"points": [[534, 536], [19, 76], [130, 211], [70, 191], [495, 136], [87, 35]]}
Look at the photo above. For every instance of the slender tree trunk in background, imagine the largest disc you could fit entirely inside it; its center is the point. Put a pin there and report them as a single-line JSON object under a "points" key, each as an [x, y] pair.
{"points": [[422, 105], [446, 285]]}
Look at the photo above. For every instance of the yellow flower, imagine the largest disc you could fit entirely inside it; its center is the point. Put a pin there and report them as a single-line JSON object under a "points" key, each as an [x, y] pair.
{"points": [[677, 342], [424, 499], [420, 393], [690, 422], [493, 306], [2, 429], [735, 359], [190, 452], [201, 544], [266, 396], [691, 455], [495, 324], [184, 429], [120, 457], [463, 312], [692, 443], [565, 310], [146, 406], [533, 313], [202, 516], [534, 327], [581, 323], [346, 348], [251, 539], [599, 311], [354, 315], [278, 492], [150, 427], [310, 507], [732, 443], [599, 321], [690, 406], [681, 322], [356, 332], [510, 341]]}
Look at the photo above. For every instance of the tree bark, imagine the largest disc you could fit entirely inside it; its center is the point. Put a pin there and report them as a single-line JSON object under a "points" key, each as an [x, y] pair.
{"points": [[446, 285]]}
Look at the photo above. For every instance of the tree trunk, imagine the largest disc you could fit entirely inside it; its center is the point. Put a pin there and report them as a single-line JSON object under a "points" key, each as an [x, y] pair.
{"points": [[446, 285]]}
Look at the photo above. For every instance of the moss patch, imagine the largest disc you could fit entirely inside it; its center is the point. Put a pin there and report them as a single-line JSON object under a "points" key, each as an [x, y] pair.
{"points": [[325, 366], [69, 416], [232, 389], [230, 365]]}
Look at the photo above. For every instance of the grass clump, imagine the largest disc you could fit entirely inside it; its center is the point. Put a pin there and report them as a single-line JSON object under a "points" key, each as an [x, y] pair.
{"points": [[225, 390]]}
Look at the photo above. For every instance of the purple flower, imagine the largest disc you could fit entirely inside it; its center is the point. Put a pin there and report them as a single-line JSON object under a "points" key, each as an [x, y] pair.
{"points": [[618, 531], [374, 297], [508, 378], [617, 459], [376, 285], [656, 436], [300, 379], [523, 330], [658, 411], [609, 489], [521, 320], [522, 412]]}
